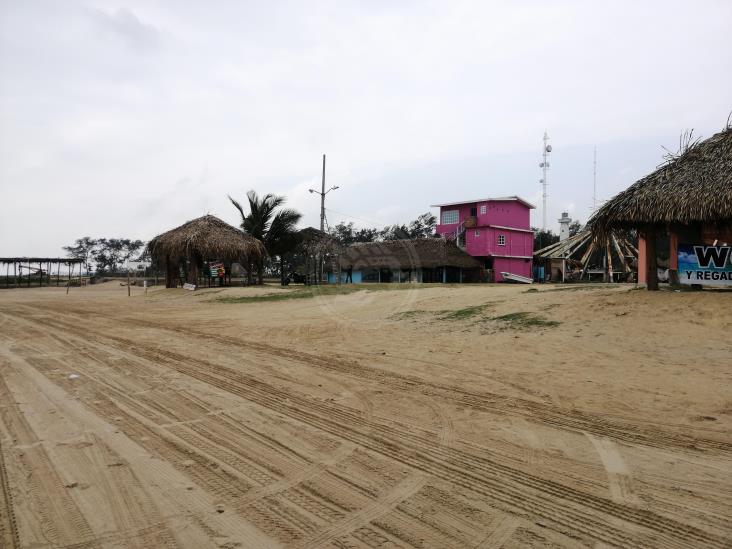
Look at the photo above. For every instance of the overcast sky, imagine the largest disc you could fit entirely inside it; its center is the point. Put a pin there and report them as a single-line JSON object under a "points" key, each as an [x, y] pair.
{"points": [[124, 119]]}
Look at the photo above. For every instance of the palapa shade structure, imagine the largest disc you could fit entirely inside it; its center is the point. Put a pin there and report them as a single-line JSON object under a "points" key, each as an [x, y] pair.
{"points": [[204, 238], [421, 253], [692, 192], [616, 254], [428, 259]]}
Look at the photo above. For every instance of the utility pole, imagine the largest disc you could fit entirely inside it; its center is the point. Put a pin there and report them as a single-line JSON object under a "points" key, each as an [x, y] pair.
{"points": [[322, 194], [322, 200]]}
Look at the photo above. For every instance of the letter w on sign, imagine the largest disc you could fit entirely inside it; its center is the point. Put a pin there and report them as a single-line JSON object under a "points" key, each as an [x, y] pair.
{"points": [[711, 254]]}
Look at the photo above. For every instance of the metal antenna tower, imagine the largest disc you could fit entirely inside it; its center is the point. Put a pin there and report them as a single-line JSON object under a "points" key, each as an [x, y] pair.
{"points": [[544, 165]]}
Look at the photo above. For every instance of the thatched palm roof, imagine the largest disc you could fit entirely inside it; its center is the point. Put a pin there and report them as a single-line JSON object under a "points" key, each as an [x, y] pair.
{"points": [[313, 241], [407, 254], [205, 237], [695, 186]]}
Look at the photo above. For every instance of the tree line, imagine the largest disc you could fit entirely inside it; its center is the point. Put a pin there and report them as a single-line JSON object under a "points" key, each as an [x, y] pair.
{"points": [[422, 227], [266, 218], [107, 254]]}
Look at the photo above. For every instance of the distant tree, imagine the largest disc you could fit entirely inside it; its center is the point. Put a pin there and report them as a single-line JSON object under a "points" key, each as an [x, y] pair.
{"points": [[422, 227], [347, 234], [343, 233], [110, 253], [394, 232], [575, 227], [366, 235], [282, 237], [83, 249], [544, 238], [274, 228]]}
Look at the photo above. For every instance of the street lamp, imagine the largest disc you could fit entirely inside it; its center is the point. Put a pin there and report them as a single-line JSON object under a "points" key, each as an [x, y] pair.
{"points": [[322, 194]]}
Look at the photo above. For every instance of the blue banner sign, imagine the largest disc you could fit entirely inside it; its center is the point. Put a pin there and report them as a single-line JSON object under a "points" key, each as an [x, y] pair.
{"points": [[708, 265]]}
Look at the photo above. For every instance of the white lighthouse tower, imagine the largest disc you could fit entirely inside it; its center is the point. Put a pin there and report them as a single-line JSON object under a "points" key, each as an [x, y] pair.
{"points": [[564, 226]]}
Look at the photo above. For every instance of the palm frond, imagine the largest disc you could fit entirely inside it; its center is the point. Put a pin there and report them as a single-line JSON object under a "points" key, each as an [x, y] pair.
{"points": [[238, 206]]}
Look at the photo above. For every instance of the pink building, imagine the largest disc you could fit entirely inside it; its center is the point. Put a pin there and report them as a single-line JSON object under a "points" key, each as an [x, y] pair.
{"points": [[496, 231]]}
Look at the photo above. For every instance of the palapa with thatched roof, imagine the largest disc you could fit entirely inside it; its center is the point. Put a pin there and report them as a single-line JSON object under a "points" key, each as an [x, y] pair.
{"points": [[428, 259], [690, 196], [204, 238]]}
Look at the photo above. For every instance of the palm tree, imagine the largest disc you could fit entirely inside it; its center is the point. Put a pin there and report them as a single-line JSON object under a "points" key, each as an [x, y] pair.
{"points": [[275, 228]]}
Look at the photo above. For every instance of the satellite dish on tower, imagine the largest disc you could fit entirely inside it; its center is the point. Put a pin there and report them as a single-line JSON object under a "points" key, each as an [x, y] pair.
{"points": [[548, 148]]}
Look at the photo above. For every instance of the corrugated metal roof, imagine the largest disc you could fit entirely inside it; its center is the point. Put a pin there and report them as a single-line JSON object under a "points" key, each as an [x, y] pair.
{"points": [[495, 199]]}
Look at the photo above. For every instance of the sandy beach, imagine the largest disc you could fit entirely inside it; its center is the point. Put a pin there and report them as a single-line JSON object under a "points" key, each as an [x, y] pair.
{"points": [[423, 416]]}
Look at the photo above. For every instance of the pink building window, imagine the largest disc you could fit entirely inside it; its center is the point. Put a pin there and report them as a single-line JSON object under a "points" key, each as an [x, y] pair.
{"points": [[501, 240], [483, 209], [477, 232], [450, 217]]}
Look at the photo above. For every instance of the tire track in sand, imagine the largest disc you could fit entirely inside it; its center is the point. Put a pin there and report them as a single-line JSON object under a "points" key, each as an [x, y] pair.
{"points": [[157, 475], [569, 419], [363, 516], [513, 488], [567, 510], [8, 527], [619, 478], [61, 521]]}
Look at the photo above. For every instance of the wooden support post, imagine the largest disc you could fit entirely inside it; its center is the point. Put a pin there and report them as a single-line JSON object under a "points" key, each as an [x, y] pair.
{"points": [[40, 274], [68, 283], [29, 274], [7, 275], [58, 273], [673, 256], [651, 260], [15, 275]]}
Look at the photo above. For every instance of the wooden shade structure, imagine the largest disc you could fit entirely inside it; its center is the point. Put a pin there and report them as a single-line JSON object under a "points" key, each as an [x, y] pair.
{"points": [[616, 252], [204, 238], [29, 265], [691, 189]]}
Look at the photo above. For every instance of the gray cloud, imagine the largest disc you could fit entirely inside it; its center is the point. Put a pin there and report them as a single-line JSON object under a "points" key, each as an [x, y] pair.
{"points": [[105, 109], [125, 25]]}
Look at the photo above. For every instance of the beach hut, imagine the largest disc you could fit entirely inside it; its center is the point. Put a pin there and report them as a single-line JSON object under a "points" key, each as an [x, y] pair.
{"points": [[686, 204], [201, 240], [418, 260]]}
